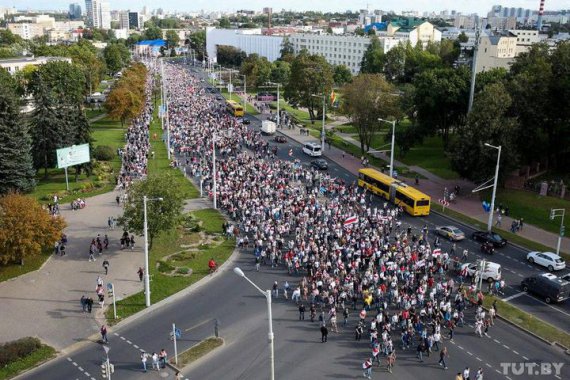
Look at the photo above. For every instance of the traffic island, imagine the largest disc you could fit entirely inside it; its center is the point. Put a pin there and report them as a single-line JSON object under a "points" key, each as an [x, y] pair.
{"points": [[197, 351], [21, 355]]}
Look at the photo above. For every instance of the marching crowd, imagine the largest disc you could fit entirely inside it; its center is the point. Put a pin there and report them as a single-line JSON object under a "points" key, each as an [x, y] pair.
{"points": [[350, 252]]}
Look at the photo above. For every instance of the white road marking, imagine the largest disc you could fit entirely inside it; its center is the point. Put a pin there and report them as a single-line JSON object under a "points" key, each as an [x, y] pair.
{"points": [[520, 275], [75, 364], [460, 347], [496, 341], [507, 347], [115, 334], [499, 372], [69, 359], [129, 342], [470, 354], [478, 359], [87, 374], [123, 338], [508, 378], [525, 358], [516, 352], [135, 346], [79, 368], [488, 365], [513, 296]]}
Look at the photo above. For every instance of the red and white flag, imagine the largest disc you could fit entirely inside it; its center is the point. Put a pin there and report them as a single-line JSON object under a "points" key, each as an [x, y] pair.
{"points": [[436, 252], [350, 220]]}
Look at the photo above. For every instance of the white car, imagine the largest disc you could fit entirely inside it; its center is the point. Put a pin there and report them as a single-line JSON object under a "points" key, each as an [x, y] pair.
{"points": [[492, 271], [451, 232], [549, 260]]}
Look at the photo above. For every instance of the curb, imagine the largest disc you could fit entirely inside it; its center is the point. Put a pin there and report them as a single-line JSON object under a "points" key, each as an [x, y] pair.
{"points": [[177, 369]]}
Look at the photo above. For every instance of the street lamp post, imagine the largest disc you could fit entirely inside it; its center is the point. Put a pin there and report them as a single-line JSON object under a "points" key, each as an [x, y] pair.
{"points": [[393, 122], [490, 222], [214, 169], [244, 92], [278, 91], [147, 268], [559, 212], [267, 294]]}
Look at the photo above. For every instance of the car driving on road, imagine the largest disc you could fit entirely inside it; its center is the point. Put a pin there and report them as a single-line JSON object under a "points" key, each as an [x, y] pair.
{"points": [[320, 164], [549, 260], [547, 286], [451, 232], [491, 272], [489, 237]]}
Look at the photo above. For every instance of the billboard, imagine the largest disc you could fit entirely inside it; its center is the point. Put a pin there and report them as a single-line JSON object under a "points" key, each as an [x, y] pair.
{"points": [[73, 155]]}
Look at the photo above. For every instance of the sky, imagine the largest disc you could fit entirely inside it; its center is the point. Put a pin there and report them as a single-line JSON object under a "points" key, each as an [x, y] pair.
{"points": [[464, 6]]}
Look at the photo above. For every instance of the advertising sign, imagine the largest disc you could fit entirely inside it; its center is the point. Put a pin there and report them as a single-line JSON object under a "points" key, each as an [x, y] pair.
{"points": [[73, 155]]}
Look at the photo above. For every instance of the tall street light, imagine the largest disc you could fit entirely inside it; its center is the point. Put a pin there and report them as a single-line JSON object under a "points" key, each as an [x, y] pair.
{"points": [[146, 266], [278, 115], [267, 294], [324, 115], [393, 122], [244, 91], [490, 222], [214, 169]]}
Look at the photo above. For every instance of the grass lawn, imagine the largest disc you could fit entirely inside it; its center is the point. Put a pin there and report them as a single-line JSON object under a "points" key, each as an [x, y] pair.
{"points": [[197, 351], [33, 360], [9, 271], [176, 253], [528, 322], [91, 113], [535, 209], [347, 128], [430, 156], [250, 109]]}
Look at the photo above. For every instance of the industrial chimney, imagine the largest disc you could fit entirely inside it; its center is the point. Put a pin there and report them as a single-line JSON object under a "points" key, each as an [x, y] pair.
{"points": [[540, 13]]}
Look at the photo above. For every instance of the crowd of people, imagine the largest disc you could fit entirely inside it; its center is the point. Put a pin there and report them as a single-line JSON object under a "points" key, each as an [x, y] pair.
{"points": [[350, 252]]}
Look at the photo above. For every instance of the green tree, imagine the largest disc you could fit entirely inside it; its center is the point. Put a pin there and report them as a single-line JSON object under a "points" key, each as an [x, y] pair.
{"points": [[395, 61], [287, 52], [153, 33], [418, 61], [225, 23], [257, 70], [161, 215], [441, 97], [113, 58], [310, 75], [342, 75], [359, 31], [8, 38], [462, 37], [373, 60], [367, 98], [488, 122], [280, 72], [16, 166], [172, 38], [57, 90], [230, 56], [197, 42]]}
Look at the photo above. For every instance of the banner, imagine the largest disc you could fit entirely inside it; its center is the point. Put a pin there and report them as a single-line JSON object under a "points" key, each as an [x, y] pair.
{"points": [[73, 155]]}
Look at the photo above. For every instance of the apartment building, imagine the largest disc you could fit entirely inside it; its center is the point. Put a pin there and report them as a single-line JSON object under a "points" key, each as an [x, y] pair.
{"points": [[496, 51], [13, 65]]}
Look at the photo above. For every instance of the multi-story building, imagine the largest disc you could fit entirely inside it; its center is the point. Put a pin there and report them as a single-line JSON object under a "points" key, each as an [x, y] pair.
{"points": [[525, 38], [502, 23], [98, 14], [466, 22], [124, 20], [13, 65], [413, 30], [74, 11], [105, 15], [496, 51], [249, 40], [134, 20], [26, 30]]}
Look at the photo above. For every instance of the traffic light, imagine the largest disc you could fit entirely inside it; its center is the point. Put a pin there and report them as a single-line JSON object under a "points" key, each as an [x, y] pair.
{"points": [[552, 213], [562, 230]]}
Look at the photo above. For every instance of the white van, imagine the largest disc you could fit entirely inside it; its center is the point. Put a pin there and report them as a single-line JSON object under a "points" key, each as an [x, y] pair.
{"points": [[313, 149], [491, 273]]}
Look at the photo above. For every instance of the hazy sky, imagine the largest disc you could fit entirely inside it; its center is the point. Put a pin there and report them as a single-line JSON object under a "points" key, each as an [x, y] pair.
{"points": [[464, 6]]}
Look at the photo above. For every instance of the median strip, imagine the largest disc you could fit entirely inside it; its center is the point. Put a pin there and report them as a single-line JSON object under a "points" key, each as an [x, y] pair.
{"points": [[197, 351]]}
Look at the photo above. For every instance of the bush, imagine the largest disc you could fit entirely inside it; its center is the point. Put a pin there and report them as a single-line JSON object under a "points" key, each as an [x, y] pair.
{"points": [[164, 267], [104, 153], [18, 349]]}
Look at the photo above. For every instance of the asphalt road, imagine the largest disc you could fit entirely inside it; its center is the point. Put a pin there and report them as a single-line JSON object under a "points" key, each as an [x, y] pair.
{"points": [[241, 311]]}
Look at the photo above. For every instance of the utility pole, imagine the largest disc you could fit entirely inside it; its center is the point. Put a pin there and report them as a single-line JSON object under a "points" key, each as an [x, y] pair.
{"points": [[474, 68]]}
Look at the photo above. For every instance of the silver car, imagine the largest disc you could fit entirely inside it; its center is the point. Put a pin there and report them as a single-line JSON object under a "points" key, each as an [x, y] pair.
{"points": [[451, 232]]}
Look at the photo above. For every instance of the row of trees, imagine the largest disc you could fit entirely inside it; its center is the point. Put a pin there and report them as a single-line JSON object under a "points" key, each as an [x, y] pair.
{"points": [[126, 99]]}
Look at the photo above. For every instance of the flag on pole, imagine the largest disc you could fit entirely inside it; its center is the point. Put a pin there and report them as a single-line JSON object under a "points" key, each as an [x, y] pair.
{"points": [[333, 97], [350, 220]]}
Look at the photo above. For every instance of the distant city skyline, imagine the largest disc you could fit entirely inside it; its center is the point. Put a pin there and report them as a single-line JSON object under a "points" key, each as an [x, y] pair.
{"points": [[464, 6]]}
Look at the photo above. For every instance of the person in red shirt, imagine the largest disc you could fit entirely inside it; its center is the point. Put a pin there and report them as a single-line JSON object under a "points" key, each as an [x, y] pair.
{"points": [[212, 265]]}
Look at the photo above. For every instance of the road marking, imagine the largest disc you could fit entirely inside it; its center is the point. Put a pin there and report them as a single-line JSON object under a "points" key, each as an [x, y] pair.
{"points": [[79, 368], [123, 338], [508, 378], [75, 364], [69, 359], [558, 377], [198, 325], [115, 334], [513, 296], [470, 354], [460, 347], [87, 374], [478, 359], [516, 352], [525, 358], [507, 347], [135, 346], [129, 342], [488, 365], [508, 256], [496, 341], [499, 372], [520, 275]]}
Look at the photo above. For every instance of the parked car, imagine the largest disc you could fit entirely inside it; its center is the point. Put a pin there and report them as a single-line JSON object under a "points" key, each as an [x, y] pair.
{"points": [[547, 286], [566, 277], [320, 164], [280, 139], [491, 272], [548, 260], [484, 236], [451, 232]]}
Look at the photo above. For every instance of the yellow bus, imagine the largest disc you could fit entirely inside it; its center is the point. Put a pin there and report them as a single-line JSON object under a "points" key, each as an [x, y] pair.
{"points": [[413, 201], [235, 108]]}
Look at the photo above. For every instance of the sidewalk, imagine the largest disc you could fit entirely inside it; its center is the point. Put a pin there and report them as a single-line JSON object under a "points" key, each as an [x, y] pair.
{"points": [[467, 203]]}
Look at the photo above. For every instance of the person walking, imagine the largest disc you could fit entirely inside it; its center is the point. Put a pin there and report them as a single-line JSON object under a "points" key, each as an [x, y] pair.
{"points": [[367, 367], [144, 358], [140, 272], [420, 351], [162, 356], [106, 242], [84, 303], [89, 304], [479, 374], [103, 332], [106, 266], [442, 355], [155, 361], [324, 333], [301, 312], [466, 373]]}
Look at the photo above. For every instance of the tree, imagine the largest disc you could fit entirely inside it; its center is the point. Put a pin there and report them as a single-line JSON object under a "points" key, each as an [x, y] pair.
{"points": [[153, 33], [16, 166], [359, 31], [225, 23], [230, 56], [198, 43], [366, 99], [162, 215], [373, 59], [126, 99], [441, 97], [172, 38], [26, 229], [57, 90], [257, 70], [280, 72], [287, 52], [113, 58], [488, 122], [342, 75], [310, 75], [406, 137], [395, 60], [462, 37], [8, 38]]}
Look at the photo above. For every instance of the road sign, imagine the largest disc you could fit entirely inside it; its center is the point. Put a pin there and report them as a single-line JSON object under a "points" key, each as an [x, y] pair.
{"points": [[107, 349], [178, 334]]}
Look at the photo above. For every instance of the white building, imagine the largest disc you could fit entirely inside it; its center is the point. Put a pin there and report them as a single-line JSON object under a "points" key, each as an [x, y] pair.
{"points": [[13, 65], [105, 15], [124, 20], [525, 38], [250, 41], [495, 52], [98, 14], [26, 30]]}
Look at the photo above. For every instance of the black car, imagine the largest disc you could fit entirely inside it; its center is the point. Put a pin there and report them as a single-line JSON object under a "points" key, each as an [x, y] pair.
{"points": [[489, 237], [280, 139], [246, 121], [547, 286], [320, 164]]}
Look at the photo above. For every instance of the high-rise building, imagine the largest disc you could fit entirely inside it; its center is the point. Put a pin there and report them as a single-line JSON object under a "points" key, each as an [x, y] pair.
{"points": [[124, 20], [134, 20], [98, 14], [74, 11]]}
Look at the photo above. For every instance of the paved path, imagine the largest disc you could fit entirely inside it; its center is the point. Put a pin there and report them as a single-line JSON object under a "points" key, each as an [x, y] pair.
{"points": [[468, 203]]}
